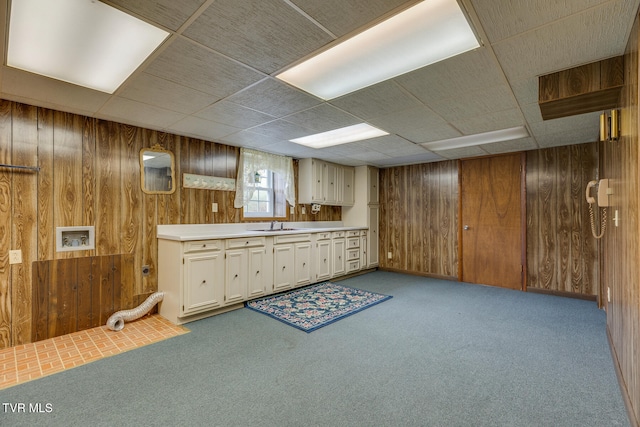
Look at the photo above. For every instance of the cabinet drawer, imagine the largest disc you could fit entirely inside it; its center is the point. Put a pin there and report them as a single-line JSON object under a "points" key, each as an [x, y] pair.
{"points": [[323, 236], [353, 266], [353, 254], [291, 238], [353, 233], [363, 233], [245, 242], [203, 245], [353, 242], [337, 234]]}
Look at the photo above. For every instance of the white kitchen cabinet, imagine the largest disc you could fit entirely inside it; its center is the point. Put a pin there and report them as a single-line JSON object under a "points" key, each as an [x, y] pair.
{"points": [[338, 253], [283, 267], [243, 267], [323, 256], [202, 290], [365, 212], [372, 249], [348, 186], [191, 274], [235, 286], [204, 277], [325, 183], [259, 280], [303, 263]]}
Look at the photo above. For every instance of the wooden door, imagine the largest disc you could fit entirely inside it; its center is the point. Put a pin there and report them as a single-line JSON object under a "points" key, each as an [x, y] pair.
{"points": [[492, 237]]}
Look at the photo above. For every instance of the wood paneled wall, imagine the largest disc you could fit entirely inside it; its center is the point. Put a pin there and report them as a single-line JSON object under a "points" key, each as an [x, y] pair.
{"points": [[419, 218], [621, 245], [73, 294], [561, 252], [90, 175]]}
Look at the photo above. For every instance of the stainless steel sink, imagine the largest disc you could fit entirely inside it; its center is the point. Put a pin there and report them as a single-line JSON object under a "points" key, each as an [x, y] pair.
{"points": [[281, 229]]}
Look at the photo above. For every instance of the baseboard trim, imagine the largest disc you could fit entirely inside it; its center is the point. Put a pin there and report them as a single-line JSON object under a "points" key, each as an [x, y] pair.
{"points": [[623, 387], [419, 273], [574, 295]]}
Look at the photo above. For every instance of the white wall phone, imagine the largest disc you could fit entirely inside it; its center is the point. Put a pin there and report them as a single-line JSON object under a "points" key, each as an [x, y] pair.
{"points": [[603, 201]]}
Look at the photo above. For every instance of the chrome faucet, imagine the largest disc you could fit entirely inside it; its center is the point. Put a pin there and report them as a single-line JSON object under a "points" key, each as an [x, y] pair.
{"points": [[272, 224]]}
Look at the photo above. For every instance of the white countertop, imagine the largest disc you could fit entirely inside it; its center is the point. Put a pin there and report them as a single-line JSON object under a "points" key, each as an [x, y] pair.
{"points": [[188, 232]]}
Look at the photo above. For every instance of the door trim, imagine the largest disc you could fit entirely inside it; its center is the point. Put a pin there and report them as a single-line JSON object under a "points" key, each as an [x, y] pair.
{"points": [[523, 215]]}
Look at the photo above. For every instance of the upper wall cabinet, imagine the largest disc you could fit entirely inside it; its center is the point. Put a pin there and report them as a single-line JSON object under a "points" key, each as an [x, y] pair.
{"points": [[325, 183]]}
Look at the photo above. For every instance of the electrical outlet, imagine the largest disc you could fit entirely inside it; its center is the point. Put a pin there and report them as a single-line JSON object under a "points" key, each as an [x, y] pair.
{"points": [[15, 257], [608, 294], [214, 207], [292, 210], [389, 255], [304, 210]]}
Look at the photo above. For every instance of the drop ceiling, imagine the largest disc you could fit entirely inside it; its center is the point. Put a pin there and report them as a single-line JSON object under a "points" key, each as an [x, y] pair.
{"points": [[213, 77]]}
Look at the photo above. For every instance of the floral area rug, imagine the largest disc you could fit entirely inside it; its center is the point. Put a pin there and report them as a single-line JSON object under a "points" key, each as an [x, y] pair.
{"points": [[316, 306]]}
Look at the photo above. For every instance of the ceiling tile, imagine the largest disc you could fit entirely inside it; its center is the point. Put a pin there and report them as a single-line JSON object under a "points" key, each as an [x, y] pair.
{"points": [[231, 114], [427, 157], [169, 13], [392, 145], [603, 33], [249, 139], [467, 72], [497, 20], [162, 93], [283, 130], [419, 124], [203, 129], [323, 118], [138, 114], [265, 34], [274, 98], [196, 67], [474, 104], [375, 101], [30, 88], [459, 153], [522, 144], [341, 17], [489, 122]]}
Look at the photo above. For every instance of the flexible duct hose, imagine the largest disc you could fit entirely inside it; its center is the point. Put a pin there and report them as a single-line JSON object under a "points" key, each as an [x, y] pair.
{"points": [[117, 319]]}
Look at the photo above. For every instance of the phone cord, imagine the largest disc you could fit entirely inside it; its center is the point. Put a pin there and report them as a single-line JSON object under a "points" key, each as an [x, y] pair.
{"points": [[593, 225]]}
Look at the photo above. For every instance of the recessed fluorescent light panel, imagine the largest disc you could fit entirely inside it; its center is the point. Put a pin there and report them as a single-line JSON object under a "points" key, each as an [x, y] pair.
{"points": [[344, 135], [426, 33], [478, 139], [83, 42]]}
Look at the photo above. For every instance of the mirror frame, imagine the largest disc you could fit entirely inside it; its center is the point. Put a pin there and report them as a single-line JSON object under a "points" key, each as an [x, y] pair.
{"points": [[159, 149]]}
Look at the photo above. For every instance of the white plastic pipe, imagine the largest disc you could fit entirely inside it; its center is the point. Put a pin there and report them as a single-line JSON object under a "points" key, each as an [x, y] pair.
{"points": [[117, 319]]}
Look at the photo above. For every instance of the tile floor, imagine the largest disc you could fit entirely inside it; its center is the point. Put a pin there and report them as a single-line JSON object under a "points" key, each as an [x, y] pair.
{"points": [[31, 361]]}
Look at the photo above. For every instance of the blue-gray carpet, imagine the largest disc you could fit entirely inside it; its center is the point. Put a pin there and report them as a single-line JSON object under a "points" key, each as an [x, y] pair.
{"points": [[437, 354]]}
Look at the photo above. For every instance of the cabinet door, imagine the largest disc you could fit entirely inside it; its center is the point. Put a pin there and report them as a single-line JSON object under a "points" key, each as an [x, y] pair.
{"points": [[374, 194], [284, 267], [317, 194], [203, 281], [303, 263], [330, 183], [338, 252], [363, 253], [348, 186], [373, 236], [256, 280], [323, 260], [235, 289]]}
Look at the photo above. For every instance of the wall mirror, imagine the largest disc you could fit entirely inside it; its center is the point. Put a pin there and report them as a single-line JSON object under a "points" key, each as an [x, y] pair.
{"points": [[157, 170]]}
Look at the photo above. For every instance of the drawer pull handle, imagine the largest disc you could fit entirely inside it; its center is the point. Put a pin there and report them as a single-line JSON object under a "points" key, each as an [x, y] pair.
{"points": [[257, 272], [204, 282], [235, 277]]}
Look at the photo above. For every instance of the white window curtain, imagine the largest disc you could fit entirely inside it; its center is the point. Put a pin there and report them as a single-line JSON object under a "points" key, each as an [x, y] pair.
{"points": [[252, 161]]}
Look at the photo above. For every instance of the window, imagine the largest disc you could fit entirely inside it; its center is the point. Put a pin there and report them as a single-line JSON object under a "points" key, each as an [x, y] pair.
{"points": [[264, 185], [267, 199]]}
